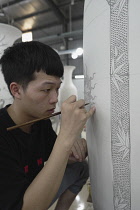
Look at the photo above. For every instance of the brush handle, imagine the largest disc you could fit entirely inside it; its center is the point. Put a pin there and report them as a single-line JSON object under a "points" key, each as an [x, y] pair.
{"points": [[32, 121], [36, 120]]}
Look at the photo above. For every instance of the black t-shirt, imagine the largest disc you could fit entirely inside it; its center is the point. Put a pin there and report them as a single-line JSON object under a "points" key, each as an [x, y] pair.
{"points": [[22, 156]]}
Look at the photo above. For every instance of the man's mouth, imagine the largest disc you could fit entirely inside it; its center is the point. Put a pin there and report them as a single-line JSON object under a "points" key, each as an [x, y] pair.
{"points": [[51, 110]]}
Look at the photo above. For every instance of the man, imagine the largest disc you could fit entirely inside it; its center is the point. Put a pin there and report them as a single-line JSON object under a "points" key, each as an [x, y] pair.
{"points": [[32, 71]]}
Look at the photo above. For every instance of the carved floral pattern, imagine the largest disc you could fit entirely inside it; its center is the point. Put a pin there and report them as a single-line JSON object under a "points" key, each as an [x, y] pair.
{"points": [[88, 87], [120, 117]]}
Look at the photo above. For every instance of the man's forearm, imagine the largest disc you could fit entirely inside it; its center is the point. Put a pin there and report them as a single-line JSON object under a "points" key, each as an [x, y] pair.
{"points": [[42, 190]]}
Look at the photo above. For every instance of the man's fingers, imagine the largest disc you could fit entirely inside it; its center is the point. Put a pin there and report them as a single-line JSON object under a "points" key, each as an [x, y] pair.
{"points": [[83, 149], [80, 103], [84, 145], [71, 99], [75, 152], [91, 112]]}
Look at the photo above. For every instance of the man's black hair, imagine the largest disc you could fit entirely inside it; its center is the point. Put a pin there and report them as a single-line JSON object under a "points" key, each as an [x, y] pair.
{"points": [[22, 60]]}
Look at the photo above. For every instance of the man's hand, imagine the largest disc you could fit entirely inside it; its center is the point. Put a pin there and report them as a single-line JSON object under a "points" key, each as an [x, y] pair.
{"points": [[73, 119], [78, 151]]}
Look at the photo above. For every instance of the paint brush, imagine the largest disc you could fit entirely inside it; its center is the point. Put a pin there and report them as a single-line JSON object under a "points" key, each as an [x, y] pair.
{"points": [[36, 120]]}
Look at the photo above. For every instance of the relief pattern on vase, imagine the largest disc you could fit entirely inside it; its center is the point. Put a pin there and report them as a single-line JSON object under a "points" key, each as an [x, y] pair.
{"points": [[107, 86], [3, 87], [120, 116], [8, 35], [89, 87], [2, 43]]}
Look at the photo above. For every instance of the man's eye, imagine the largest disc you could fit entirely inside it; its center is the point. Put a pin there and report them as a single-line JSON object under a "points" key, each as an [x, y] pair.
{"points": [[46, 90]]}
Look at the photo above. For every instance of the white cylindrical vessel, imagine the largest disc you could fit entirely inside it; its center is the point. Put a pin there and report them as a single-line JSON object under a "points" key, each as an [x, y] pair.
{"points": [[8, 35], [112, 83], [67, 88]]}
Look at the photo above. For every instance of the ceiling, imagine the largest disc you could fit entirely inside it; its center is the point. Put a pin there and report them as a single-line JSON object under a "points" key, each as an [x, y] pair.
{"points": [[58, 23]]}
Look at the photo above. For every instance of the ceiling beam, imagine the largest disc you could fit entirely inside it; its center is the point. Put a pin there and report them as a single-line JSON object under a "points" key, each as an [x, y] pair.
{"points": [[61, 5], [57, 11], [11, 3], [60, 41], [60, 36], [80, 17], [14, 2], [42, 27], [31, 15]]}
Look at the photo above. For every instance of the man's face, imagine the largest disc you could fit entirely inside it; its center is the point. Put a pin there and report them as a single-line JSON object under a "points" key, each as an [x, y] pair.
{"points": [[41, 95]]}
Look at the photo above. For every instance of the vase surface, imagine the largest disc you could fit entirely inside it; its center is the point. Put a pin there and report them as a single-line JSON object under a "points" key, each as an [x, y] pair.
{"points": [[112, 80], [67, 88]]}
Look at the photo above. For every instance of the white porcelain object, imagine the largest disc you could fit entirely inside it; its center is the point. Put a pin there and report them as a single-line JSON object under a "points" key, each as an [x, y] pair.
{"points": [[112, 83], [8, 35], [67, 88]]}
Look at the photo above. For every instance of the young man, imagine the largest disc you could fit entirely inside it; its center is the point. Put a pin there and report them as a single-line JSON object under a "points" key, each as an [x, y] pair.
{"points": [[32, 71]]}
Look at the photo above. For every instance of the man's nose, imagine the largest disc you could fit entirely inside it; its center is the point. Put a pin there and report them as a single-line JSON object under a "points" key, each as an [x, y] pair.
{"points": [[54, 97]]}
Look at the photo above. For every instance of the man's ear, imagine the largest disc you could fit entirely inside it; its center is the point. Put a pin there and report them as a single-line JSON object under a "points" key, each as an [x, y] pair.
{"points": [[15, 89]]}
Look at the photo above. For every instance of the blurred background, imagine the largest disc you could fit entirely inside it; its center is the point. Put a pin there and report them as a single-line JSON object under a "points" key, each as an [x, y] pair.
{"points": [[58, 23]]}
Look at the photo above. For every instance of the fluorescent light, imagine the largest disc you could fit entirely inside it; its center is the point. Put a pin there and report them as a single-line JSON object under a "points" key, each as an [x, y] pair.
{"points": [[79, 76], [79, 51], [27, 37], [74, 55]]}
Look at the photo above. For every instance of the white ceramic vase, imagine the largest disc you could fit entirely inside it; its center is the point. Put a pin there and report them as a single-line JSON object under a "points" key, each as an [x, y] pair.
{"points": [[112, 83], [8, 35], [67, 88]]}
